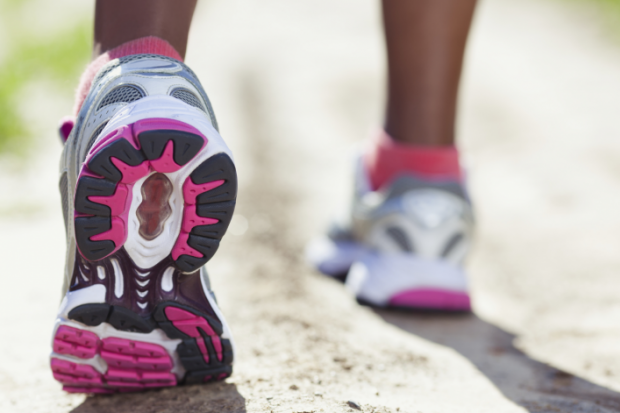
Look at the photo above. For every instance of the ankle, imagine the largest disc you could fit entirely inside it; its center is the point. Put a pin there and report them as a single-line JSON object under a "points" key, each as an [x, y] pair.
{"points": [[386, 159], [420, 130]]}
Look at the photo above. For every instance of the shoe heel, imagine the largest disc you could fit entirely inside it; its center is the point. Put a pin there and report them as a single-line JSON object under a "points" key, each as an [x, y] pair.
{"points": [[131, 152]]}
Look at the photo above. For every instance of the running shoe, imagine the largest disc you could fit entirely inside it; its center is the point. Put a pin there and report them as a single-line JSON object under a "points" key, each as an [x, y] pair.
{"points": [[402, 245], [148, 190]]}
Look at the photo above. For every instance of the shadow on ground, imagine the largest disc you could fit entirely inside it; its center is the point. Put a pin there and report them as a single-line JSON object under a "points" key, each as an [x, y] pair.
{"points": [[536, 386], [210, 398]]}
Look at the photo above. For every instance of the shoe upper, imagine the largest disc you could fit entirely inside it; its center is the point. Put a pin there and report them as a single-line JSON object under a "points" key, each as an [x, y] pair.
{"points": [[410, 219], [402, 245], [432, 220]]}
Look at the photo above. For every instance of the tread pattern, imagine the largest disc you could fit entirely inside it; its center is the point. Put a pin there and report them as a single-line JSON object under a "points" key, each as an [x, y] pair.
{"points": [[198, 243], [121, 318], [204, 354], [116, 162], [113, 166], [132, 364]]}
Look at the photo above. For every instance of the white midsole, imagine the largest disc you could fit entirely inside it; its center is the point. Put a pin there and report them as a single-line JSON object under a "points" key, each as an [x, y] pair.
{"points": [[377, 277]]}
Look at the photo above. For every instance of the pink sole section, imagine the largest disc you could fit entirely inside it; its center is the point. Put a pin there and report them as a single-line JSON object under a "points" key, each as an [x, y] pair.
{"points": [[190, 324], [432, 299], [132, 365], [120, 202], [74, 342], [191, 218]]}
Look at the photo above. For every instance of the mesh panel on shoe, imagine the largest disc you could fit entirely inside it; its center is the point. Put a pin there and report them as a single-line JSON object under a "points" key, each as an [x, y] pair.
{"points": [[187, 73], [125, 94], [187, 97]]}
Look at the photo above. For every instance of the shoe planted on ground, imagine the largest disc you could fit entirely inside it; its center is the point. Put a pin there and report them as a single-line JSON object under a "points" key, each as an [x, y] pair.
{"points": [[403, 245], [148, 189]]}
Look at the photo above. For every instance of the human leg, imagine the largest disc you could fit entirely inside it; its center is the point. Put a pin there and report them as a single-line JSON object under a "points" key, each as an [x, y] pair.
{"points": [[411, 221], [425, 42], [121, 21]]}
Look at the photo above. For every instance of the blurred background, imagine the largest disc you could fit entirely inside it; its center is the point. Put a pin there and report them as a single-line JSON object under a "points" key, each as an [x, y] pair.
{"points": [[295, 86]]}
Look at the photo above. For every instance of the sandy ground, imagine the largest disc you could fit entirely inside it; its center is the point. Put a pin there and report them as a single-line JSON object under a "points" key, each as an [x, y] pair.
{"points": [[295, 86]]}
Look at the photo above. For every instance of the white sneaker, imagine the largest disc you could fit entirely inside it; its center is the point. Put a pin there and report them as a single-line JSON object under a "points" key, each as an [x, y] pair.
{"points": [[403, 245], [148, 188]]}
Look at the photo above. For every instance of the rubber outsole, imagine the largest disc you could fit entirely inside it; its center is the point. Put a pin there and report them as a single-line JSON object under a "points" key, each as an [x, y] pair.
{"points": [[104, 189], [133, 365]]}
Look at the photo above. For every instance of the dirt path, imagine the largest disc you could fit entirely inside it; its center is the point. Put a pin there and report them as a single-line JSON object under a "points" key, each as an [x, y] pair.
{"points": [[295, 84]]}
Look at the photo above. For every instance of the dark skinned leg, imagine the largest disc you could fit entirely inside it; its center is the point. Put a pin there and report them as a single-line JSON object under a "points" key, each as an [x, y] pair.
{"points": [[119, 21], [425, 45]]}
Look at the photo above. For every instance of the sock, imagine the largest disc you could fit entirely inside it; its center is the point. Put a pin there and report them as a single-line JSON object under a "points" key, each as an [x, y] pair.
{"points": [[150, 44], [388, 159]]}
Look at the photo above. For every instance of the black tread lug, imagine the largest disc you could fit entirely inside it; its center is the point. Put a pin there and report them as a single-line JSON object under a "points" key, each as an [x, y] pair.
{"points": [[209, 345], [227, 351], [191, 356], [222, 211], [216, 325], [225, 192], [86, 227], [193, 363], [227, 357], [187, 263], [122, 150], [90, 314], [160, 316], [188, 349], [186, 145], [126, 320], [152, 144], [170, 330], [90, 186], [217, 167], [197, 376], [216, 231], [206, 246]]}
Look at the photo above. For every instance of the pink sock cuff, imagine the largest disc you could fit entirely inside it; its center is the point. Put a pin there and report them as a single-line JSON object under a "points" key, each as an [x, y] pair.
{"points": [[388, 159], [150, 45]]}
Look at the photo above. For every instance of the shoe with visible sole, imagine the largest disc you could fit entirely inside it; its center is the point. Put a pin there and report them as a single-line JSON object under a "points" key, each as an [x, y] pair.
{"points": [[402, 246], [148, 188]]}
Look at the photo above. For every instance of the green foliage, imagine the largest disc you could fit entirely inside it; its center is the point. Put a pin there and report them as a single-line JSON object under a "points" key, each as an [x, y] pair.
{"points": [[58, 58]]}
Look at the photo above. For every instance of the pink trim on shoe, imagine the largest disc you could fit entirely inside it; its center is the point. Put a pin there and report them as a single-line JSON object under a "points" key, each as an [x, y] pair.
{"points": [[120, 201], [190, 324], [192, 190], [132, 365], [432, 299], [74, 342], [65, 126], [117, 202], [191, 219]]}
